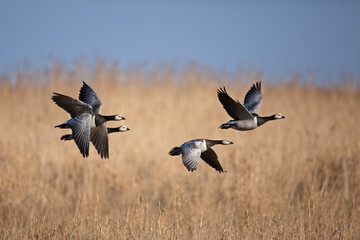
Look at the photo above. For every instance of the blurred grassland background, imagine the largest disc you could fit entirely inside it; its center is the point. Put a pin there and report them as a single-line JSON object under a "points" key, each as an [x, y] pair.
{"points": [[296, 178]]}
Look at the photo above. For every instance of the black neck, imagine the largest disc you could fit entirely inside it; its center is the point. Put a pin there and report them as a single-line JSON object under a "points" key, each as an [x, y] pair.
{"points": [[210, 143], [100, 119], [109, 117], [111, 130], [262, 120]]}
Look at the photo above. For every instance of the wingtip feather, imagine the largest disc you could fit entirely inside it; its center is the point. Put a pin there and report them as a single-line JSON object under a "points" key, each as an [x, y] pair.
{"points": [[221, 90]]}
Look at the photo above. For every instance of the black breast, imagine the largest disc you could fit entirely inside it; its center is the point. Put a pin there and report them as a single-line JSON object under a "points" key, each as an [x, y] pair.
{"points": [[99, 119]]}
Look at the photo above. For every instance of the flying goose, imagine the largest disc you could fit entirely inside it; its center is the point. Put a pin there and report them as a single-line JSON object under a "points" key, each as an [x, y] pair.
{"points": [[192, 150], [98, 135], [122, 128], [245, 117], [87, 123]]}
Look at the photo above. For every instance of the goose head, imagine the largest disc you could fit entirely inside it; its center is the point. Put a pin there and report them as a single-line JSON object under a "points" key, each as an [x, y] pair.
{"points": [[278, 116], [123, 128], [227, 142], [119, 118]]}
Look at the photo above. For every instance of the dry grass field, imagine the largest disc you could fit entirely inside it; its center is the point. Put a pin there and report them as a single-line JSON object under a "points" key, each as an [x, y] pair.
{"points": [[296, 178]]}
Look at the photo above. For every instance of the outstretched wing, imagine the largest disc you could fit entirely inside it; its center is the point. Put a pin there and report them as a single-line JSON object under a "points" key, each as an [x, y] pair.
{"points": [[253, 98], [190, 156], [210, 157], [234, 108], [99, 138], [73, 106], [89, 96], [80, 126]]}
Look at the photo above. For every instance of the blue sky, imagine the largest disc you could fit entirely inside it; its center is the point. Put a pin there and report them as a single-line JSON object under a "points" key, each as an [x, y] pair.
{"points": [[273, 37]]}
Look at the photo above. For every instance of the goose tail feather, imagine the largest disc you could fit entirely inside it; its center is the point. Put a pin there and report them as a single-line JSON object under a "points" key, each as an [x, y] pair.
{"points": [[175, 151], [225, 126], [67, 137], [63, 125]]}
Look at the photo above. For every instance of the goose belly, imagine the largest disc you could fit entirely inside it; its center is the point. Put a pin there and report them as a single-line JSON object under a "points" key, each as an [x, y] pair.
{"points": [[245, 125]]}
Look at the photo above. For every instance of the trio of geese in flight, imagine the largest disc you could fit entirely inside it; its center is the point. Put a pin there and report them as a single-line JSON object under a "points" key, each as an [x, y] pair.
{"points": [[88, 124]]}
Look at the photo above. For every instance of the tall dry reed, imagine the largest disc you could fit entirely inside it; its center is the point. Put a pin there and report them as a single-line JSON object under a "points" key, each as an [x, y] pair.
{"points": [[296, 178]]}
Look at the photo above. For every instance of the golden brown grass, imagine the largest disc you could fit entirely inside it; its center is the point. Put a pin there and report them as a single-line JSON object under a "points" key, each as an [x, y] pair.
{"points": [[296, 178]]}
